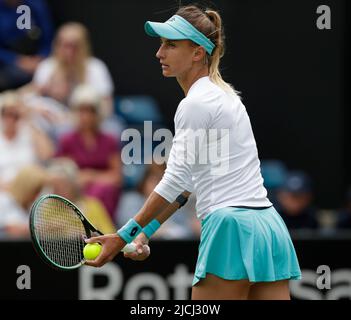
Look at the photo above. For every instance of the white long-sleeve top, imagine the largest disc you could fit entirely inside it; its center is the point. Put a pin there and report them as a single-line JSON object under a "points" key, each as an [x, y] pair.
{"points": [[214, 152]]}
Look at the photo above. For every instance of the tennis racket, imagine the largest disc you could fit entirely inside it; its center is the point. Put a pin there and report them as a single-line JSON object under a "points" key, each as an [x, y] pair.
{"points": [[58, 229]]}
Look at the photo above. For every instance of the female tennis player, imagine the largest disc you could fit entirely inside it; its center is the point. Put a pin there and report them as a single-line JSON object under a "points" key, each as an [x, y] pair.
{"points": [[245, 251]]}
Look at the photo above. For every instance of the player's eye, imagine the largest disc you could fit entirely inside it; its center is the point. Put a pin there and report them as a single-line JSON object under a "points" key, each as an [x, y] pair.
{"points": [[167, 44]]}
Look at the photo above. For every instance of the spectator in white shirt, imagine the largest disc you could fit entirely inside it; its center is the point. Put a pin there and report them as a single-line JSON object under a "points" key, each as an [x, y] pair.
{"points": [[21, 142], [72, 64]]}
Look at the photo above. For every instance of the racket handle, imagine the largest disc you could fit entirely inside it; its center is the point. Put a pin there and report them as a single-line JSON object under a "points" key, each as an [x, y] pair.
{"points": [[129, 248]]}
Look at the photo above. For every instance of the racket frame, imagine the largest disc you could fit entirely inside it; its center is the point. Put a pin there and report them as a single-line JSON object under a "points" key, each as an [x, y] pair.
{"points": [[89, 228]]}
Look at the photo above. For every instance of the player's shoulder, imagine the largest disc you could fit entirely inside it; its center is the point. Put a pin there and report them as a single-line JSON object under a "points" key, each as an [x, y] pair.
{"points": [[203, 98], [203, 87], [191, 107]]}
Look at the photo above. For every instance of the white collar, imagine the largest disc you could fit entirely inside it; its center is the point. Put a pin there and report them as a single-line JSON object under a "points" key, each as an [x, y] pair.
{"points": [[197, 82]]}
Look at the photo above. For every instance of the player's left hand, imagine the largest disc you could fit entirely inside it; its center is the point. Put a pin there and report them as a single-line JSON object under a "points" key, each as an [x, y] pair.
{"points": [[112, 244], [142, 248]]}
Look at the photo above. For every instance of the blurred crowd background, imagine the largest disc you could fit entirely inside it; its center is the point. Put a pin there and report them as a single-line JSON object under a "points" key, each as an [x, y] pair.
{"points": [[61, 120]]}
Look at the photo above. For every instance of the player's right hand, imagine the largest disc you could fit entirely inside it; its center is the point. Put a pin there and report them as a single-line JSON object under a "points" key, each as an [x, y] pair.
{"points": [[142, 249]]}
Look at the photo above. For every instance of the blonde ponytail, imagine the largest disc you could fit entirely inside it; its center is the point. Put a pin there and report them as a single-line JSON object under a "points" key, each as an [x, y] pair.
{"points": [[209, 22], [218, 52]]}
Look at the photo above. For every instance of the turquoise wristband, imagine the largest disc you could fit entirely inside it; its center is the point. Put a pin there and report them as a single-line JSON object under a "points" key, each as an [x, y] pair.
{"points": [[151, 228], [130, 231]]}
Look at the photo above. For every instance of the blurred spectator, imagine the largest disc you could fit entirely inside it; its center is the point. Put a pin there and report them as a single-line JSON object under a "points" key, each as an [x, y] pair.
{"points": [[274, 174], [72, 64], [21, 50], [295, 202], [64, 182], [17, 198], [344, 215], [49, 115], [21, 143], [182, 225], [97, 154]]}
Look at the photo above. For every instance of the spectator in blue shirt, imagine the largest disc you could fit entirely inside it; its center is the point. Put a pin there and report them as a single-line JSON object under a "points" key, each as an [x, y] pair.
{"points": [[21, 50]]}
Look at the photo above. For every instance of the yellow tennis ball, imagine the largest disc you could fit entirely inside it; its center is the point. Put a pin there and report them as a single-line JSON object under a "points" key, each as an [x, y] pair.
{"points": [[92, 250]]}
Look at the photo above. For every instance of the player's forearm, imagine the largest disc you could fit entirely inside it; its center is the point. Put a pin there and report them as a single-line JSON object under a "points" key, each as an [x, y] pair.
{"points": [[152, 207], [170, 209], [165, 214], [155, 211]]}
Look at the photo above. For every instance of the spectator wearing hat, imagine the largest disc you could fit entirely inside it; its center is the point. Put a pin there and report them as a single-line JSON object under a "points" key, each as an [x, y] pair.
{"points": [[96, 153], [295, 202]]}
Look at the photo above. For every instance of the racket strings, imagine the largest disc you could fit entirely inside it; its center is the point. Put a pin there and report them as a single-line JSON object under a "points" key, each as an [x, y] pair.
{"points": [[59, 232]]}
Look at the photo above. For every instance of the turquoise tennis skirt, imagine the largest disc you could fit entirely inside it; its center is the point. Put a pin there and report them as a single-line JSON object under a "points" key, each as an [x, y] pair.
{"points": [[242, 243]]}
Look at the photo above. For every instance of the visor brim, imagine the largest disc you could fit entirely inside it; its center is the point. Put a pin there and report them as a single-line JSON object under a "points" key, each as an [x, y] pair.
{"points": [[163, 30]]}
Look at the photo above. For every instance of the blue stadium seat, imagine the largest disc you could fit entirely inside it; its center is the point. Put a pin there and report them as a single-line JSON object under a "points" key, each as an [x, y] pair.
{"points": [[135, 109], [274, 173], [132, 175]]}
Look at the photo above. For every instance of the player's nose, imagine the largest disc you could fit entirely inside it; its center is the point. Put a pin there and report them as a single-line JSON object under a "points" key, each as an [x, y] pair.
{"points": [[160, 53]]}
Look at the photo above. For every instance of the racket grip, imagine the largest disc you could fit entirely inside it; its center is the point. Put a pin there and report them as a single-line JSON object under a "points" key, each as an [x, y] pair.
{"points": [[129, 247]]}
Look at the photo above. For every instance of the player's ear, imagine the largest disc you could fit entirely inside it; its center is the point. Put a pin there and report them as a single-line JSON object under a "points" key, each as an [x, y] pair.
{"points": [[199, 53]]}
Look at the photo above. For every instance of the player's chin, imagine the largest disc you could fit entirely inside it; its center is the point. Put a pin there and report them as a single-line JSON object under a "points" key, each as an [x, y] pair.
{"points": [[167, 74]]}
